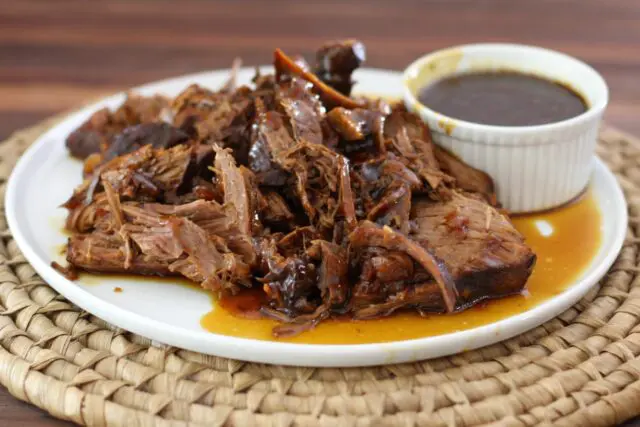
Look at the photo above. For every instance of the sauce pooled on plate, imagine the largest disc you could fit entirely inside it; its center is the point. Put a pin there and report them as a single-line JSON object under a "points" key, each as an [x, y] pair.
{"points": [[502, 98], [566, 241]]}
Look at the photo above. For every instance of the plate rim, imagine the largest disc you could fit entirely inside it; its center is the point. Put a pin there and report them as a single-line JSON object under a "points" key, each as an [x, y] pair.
{"points": [[297, 354]]}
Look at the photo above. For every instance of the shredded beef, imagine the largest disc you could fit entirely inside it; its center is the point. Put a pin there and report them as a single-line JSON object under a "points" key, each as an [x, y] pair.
{"points": [[328, 205], [270, 138], [303, 109], [276, 210]]}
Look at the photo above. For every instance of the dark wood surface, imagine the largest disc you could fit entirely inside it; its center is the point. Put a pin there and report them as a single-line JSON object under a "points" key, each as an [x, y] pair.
{"points": [[56, 55]]}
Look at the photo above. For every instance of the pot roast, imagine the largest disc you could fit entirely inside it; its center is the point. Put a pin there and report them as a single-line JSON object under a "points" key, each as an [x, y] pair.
{"points": [[332, 205]]}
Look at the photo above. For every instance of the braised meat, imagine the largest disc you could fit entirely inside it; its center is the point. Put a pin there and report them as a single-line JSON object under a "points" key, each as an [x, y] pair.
{"points": [[408, 137], [336, 61], [157, 135], [269, 140], [467, 178], [97, 133], [287, 68], [326, 204], [355, 124], [481, 249]]}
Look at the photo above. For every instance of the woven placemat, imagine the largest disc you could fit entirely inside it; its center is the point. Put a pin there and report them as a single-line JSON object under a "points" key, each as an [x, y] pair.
{"points": [[581, 368]]}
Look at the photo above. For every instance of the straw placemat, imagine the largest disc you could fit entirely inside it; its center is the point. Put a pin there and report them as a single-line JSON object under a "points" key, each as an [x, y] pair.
{"points": [[581, 368]]}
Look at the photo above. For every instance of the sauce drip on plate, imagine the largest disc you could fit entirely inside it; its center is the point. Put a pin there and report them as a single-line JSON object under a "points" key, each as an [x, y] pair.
{"points": [[502, 98], [565, 240]]}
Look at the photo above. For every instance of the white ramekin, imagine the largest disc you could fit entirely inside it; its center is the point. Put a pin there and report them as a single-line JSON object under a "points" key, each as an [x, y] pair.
{"points": [[534, 167]]}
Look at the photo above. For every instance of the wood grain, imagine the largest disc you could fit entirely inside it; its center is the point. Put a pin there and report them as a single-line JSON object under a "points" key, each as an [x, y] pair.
{"points": [[55, 56]]}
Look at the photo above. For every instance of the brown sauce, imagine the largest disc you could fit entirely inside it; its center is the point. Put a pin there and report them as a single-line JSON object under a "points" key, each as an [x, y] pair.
{"points": [[503, 98], [562, 257]]}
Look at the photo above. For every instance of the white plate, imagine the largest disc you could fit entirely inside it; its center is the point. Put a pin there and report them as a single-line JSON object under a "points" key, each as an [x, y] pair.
{"points": [[46, 175]]}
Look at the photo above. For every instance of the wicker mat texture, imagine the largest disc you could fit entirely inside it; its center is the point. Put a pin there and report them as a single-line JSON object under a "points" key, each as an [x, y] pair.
{"points": [[580, 369]]}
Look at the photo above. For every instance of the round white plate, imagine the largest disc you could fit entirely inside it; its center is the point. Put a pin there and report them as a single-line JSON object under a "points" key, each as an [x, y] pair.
{"points": [[45, 177]]}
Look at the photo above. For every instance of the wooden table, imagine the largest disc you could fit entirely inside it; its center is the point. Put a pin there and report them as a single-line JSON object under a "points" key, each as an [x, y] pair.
{"points": [[57, 55]]}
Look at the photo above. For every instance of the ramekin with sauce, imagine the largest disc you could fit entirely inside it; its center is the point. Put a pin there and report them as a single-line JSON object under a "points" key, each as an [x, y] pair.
{"points": [[538, 150]]}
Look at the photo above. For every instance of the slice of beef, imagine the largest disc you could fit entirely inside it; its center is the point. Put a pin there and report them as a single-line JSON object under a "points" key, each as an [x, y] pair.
{"points": [[257, 202], [337, 60], [69, 272], [298, 89], [163, 245], [285, 66], [217, 221], [467, 178], [104, 253], [368, 234], [486, 256]]}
